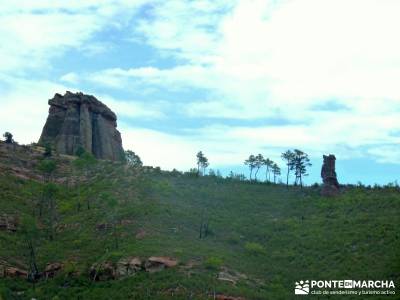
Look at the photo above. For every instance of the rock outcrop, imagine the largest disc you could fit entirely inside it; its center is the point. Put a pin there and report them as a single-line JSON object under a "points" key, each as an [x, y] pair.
{"points": [[230, 276], [52, 269], [7, 270], [129, 266], [158, 263], [328, 173], [81, 121]]}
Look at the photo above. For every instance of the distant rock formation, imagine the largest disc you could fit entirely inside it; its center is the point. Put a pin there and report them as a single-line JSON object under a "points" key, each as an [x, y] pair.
{"points": [[76, 120], [328, 174]]}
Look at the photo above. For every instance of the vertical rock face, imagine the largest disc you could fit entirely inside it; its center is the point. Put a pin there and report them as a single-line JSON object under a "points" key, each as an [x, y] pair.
{"points": [[328, 174], [76, 120]]}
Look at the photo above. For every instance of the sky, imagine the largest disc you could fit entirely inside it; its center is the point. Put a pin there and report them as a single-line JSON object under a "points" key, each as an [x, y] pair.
{"points": [[228, 77]]}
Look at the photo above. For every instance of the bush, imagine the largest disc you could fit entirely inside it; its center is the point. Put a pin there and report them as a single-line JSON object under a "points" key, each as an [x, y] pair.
{"points": [[47, 150], [254, 248], [213, 263], [80, 151]]}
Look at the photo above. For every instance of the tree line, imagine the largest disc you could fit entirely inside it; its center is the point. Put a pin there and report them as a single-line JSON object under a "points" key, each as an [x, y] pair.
{"points": [[296, 161]]}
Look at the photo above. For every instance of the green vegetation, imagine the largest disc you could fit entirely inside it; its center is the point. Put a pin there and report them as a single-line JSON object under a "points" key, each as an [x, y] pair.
{"points": [[254, 248], [8, 137], [213, 263], [272, 234], [132, 159]]}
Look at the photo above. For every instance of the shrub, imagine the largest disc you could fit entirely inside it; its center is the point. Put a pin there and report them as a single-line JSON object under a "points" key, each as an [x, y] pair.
{"points": [[47, 150], [80, 151], [8, 137], [213, 263], [254, 248]]}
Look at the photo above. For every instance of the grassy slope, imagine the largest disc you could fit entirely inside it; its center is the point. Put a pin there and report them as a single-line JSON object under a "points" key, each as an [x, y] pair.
{"points": [[303, 236]]}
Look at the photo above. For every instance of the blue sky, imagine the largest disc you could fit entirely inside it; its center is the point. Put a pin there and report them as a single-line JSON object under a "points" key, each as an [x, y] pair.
{"points": [[230, 78]]}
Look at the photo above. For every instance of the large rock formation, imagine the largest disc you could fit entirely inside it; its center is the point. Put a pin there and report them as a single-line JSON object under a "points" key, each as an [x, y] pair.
{"points": [[76, 120], [328, 174]]}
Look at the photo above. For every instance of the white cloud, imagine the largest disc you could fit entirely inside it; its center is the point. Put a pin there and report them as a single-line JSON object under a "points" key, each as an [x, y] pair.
{"points": [[134, 109], [70, 77], [34, 32], [159, 149], [386, 153], [185, 29], [298, 52]]}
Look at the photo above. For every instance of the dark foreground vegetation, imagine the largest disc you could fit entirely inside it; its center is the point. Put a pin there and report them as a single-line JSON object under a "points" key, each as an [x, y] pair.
{"points": [[230, 237]]}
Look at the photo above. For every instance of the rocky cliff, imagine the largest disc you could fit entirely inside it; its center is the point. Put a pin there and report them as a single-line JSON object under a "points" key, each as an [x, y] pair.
{"points": [[77, 120]]}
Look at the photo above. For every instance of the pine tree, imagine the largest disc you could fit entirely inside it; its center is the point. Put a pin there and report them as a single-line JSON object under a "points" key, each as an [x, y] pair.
{"points": [[251, 161], [299, 164], [276, 171], [288, 157]]}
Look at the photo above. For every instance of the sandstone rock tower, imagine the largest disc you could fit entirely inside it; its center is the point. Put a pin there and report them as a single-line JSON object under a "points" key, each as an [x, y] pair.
{"points": [[328, 174], [77, 120]]}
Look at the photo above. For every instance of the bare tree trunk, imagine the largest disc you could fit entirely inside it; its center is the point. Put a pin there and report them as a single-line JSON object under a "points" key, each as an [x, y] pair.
{"points": [[255, 175], [287, 176], [301, 181], [33, 269]]}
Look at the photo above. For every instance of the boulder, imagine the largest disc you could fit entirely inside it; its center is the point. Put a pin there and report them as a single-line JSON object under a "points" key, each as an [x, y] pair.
{"points": [[102, 271], [15, 273], [330, 185], [128, 266], [230, 276], [76, 121], [158, 263], [52, 269]]}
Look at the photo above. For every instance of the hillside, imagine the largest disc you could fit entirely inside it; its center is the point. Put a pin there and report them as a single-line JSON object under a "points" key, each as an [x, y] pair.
{"points": [[258, 238]]}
